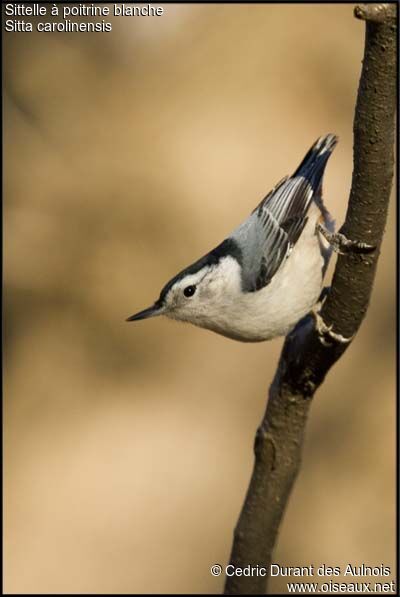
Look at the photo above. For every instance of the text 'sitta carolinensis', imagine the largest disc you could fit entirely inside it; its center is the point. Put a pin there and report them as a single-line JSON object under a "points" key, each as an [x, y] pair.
{"points": [[268, 273]]}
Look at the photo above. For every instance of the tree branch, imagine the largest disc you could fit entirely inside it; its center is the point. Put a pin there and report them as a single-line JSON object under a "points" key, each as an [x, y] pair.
{"points": [[317, 343]]}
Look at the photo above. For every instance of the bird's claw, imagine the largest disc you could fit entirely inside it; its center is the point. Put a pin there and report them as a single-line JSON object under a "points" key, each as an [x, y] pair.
{"points": [[326, 331], [343, 245]]}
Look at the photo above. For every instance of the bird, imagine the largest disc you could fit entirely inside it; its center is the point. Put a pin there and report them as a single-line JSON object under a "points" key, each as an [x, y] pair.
{"points": [[268, 273]]}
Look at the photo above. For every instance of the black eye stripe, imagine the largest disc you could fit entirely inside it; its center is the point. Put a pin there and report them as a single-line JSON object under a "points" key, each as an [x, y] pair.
{"points": [[189, 290]]}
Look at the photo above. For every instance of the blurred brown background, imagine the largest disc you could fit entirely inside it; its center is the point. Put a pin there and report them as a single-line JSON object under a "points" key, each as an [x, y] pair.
{"points": [[128, 155]]}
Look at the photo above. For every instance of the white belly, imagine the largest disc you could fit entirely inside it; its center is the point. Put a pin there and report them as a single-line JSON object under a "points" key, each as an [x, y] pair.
{"points": [[293, 291]]}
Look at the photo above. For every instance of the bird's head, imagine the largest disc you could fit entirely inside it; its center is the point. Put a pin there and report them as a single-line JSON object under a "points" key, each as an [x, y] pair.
{"points": [[200, 292]]}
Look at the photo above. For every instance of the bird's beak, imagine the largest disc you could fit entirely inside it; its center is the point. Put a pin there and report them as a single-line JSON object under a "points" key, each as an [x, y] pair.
{"points": [[153, 311]]}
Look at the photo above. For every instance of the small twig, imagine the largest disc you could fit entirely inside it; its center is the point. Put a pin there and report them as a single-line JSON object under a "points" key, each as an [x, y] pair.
{"points": [[377, 12]]}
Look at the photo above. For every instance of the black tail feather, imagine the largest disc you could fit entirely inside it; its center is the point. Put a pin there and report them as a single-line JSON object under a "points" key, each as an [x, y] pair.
{"points": [[313, 165]]}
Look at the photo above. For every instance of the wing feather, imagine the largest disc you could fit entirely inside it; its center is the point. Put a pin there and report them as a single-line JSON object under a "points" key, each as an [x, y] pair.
{"points": [[267, 237]]}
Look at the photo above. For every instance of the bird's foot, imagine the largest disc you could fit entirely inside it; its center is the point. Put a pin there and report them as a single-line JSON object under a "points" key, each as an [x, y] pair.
{"points": [[323, 296], [343, 245], [325, 332]]}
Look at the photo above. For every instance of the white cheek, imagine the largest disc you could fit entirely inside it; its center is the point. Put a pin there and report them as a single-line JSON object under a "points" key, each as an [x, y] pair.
{"points": [[216, 289], [227, 279]]}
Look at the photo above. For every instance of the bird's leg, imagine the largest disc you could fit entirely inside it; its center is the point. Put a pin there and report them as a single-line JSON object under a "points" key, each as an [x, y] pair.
{"points": [[325, 332], [341, 244], [324, 295]]}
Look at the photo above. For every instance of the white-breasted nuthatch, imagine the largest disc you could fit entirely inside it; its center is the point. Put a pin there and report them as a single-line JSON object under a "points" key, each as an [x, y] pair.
{"points": [[268, 273]]}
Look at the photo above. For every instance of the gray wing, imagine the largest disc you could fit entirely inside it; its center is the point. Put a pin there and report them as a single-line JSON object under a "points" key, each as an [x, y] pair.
{"points": [[266, 238], [269, 234]]}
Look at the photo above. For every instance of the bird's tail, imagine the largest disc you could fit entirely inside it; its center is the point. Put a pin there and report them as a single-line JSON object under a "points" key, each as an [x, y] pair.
{"points": [[313, 165]]}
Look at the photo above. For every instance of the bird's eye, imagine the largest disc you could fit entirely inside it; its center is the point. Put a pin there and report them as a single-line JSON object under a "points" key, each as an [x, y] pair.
{"points": [[189, 291]]}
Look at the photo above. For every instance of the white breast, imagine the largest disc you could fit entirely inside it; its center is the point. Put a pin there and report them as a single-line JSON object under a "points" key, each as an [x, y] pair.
{"points": [[275, 309]]}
